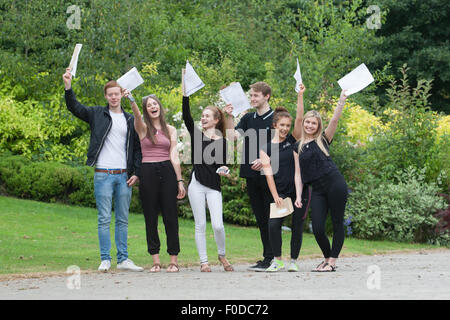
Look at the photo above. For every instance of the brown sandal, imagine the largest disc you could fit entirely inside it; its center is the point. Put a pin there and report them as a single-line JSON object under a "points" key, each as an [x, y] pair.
{"points": [[204, 267], [227, 267], [173, 265], [156, 268]]}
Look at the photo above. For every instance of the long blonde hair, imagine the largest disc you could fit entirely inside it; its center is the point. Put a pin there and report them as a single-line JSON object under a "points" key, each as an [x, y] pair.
{"points": [[317, 136]]}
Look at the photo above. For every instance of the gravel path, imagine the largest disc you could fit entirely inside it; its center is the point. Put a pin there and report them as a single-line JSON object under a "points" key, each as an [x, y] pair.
{"points": [[417, 275]]}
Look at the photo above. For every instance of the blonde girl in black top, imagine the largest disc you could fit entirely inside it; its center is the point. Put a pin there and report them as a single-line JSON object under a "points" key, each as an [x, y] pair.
{"points": [[329, 189]]}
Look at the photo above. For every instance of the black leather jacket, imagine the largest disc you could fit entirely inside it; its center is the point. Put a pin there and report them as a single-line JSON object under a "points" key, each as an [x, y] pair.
{"points": [[100, 122]]}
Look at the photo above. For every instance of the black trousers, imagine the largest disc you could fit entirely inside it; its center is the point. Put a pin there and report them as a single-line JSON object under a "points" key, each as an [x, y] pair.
{"points": [[158, 190], [258, 190], [330, 195], [296, 229]]}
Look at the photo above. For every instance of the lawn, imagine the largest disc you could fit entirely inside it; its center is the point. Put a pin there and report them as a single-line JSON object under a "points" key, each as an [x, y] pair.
{"points": [[44, 237]]}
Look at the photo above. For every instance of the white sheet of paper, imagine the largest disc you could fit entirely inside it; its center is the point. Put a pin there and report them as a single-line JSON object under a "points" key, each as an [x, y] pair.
{"points": [[235, 95], [298, 77], [130, 80], [356, 80], [74, 61], [192, 82]]}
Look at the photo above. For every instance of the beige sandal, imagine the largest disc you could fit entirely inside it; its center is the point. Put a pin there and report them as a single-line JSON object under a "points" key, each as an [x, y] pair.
{"points": [[204, 267], [155, 268], [173, 265], [319, 266], [227, 267]]}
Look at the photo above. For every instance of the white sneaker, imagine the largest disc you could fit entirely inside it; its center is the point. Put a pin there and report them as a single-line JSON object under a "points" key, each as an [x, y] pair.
{"points": [[129, 265], [293, 266], [104, 266], [276, 266]]}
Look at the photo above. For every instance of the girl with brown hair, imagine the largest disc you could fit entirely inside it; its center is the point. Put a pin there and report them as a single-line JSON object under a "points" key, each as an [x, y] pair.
{"points": [[208, 154], [279, 166], [161, 183]]}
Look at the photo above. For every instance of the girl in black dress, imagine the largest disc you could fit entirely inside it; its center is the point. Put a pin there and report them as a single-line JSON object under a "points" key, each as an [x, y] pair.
{"points": [[329, 189]]}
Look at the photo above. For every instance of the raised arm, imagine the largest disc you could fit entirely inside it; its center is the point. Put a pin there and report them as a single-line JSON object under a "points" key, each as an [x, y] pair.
{"points": [[79, 110], [139, 124], [297, 132], [187, 116], [332, 126]]}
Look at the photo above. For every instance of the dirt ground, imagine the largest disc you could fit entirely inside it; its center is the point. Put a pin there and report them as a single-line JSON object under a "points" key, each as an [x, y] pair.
{"points": [[417, 276]]}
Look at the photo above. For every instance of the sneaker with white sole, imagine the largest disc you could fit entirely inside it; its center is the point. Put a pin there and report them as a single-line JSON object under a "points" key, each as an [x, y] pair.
{"points": [[293, 266], [276, 266], [129, 265], [104, 266], [261, 266]]}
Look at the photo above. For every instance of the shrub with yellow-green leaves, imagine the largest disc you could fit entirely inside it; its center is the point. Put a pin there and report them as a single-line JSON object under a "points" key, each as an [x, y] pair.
{"points": [[43, 130], [443, 128]]}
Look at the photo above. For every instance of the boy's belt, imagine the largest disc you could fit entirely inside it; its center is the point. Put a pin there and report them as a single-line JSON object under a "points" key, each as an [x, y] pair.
{"points": [[111, 171]]}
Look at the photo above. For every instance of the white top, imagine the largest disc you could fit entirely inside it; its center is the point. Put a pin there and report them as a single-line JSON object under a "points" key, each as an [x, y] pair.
{"points": [[113, 153]]}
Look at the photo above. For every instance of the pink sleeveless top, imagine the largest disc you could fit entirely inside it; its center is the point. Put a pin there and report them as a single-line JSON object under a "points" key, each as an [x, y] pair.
{"points": [[155, 152]]}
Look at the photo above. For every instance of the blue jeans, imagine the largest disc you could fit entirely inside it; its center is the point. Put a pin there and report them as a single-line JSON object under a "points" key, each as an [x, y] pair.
{"points": [[106, 187]]}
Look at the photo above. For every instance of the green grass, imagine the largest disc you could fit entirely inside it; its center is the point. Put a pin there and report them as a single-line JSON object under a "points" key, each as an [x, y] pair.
{"points": [[43, 237]]}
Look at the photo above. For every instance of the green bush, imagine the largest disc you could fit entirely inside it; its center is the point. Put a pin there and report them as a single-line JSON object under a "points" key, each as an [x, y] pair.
{"points": [[409, 134], [236, 203], [397, 211], [56, 182], [51, 182]]}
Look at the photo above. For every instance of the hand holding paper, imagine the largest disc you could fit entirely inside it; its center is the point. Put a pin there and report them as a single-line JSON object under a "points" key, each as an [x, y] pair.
{"points": [[192, 82], [67, 78], [356, 80], [130, 80], [285, 209], [235, 95]]}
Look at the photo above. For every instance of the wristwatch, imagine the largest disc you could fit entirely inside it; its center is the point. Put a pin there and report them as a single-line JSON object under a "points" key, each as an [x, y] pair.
{"points": [[130, 97]]}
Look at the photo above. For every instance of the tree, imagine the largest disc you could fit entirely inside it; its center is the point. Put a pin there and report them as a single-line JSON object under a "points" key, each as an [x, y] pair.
{"points": [[417, 33]]}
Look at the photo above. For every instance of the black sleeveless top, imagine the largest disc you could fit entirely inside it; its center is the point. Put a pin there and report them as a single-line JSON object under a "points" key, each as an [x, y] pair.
{"points": [[314, 164], [283, 165]]}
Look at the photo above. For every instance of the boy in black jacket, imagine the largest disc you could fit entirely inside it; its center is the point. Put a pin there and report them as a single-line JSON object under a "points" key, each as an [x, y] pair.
{"points": [[114, 150]]}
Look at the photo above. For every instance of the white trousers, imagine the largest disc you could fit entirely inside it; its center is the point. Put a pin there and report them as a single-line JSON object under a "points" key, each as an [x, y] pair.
{"points": [[198, 196]]}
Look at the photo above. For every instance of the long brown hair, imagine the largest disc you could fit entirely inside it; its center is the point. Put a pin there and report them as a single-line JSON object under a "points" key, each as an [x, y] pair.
{"points": [[151, 130], [317, 136], [218, 115]]}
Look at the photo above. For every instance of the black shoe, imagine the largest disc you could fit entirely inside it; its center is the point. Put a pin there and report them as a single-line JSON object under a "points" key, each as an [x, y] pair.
{"points": [[260, 266]]}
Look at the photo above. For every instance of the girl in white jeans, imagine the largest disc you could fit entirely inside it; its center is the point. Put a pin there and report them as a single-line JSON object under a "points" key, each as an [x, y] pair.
{"points": [[198, 196], [208, 152]]}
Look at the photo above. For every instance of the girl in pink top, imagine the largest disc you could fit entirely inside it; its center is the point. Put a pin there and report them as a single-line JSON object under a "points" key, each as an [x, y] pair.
{"points": [[161, 183]]}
